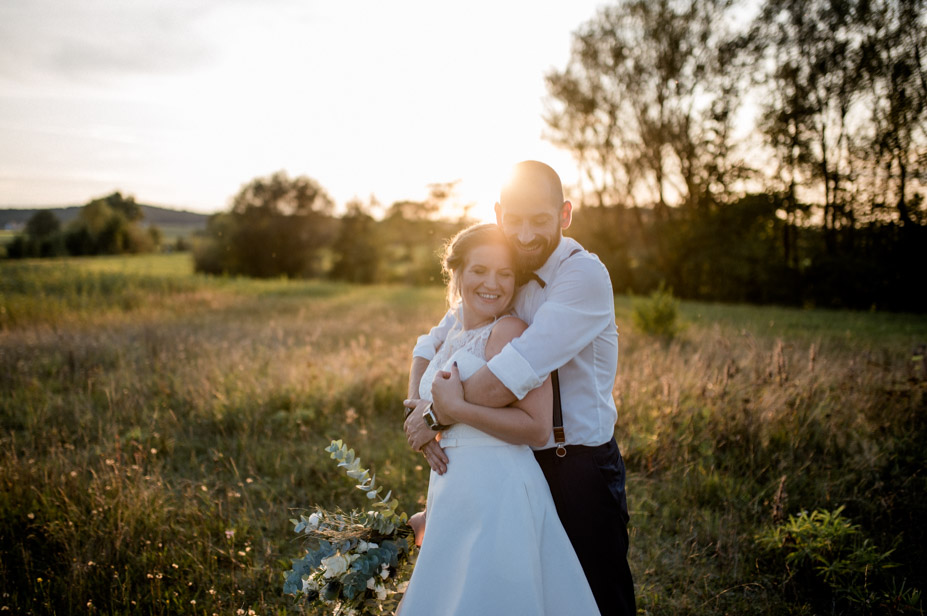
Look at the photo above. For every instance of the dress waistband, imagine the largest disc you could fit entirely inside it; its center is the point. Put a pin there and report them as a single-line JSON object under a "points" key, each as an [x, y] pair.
{"points": [[472, 441], [461, 435]]}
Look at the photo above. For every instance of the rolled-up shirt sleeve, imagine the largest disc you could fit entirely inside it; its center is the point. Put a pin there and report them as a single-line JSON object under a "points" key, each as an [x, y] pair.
{"points": [[427, 345], [578, 306]]}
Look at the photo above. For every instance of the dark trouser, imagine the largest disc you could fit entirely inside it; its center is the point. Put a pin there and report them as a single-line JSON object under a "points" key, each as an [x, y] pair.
{"points": [[588, 489]]}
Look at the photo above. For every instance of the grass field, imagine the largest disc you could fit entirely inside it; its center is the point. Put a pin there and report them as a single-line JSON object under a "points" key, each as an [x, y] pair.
{"points": [[159, 428]]}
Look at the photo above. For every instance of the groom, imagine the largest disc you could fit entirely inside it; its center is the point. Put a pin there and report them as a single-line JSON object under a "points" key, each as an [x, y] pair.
{"points": [[569, 306]]}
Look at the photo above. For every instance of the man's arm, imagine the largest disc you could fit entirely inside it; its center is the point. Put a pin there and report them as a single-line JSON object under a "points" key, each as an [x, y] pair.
{"points": [[427, 344], [579, 305], [416, 372], [420, 437], [526, 422]]}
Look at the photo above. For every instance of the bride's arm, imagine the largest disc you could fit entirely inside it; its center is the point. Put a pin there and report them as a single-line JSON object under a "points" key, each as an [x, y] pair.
{"points": [[527, 421]]}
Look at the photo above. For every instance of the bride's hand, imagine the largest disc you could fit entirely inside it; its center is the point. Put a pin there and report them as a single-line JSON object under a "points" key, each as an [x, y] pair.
{"points": [[446, 392]]}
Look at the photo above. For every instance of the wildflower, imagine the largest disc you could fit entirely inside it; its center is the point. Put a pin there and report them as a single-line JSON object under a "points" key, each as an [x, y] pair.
{"points": [[249, 480], [230, 533], [334, 565], [154, 451], [384, 571], [204, 488], [314, 520], [381, 592], [31, 516], [175, 565], [192, 601], [241, 552]]}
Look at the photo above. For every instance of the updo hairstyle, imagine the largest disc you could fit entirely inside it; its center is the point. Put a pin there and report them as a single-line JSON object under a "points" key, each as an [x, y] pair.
{"points": [[458, 249]]}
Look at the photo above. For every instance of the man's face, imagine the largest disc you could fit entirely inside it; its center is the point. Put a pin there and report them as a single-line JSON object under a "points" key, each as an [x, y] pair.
{"points": [[531, 218]]}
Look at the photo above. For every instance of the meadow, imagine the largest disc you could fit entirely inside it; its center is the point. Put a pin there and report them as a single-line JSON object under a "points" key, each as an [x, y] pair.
{"points": [[160, 428]]}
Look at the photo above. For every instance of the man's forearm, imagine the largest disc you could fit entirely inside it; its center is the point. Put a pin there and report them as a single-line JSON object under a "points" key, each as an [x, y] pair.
{"points": [[484, 389], [416, 372]]}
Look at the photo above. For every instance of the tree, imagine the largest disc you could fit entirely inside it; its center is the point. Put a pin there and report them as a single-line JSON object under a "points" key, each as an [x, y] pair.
{"points": [[893, 64], [645, 94], [276, 226], [356, 249], [109, 225], [43, 224], [812, 49]]}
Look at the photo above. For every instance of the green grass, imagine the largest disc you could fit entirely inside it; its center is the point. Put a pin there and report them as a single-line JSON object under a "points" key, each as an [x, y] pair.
{"points": [[158, 428]]}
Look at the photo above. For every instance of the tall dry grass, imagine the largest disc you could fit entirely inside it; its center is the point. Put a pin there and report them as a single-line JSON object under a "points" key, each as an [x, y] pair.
{"points": [[152, 450]]}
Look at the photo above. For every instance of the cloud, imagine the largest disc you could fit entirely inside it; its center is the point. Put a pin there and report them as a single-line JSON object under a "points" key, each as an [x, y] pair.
{"points": [[97, 39]]}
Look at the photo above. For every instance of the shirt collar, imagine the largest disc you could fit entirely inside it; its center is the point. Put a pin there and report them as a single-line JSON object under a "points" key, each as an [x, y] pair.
{"points": [[564, 247]]}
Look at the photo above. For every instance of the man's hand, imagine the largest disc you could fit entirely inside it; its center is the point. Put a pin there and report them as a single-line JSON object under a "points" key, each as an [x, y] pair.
{"points": [[422, 438], [435, 457]]}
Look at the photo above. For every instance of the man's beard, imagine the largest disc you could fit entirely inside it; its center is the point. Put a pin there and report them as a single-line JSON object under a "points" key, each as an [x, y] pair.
{"points": [[529, 263]]}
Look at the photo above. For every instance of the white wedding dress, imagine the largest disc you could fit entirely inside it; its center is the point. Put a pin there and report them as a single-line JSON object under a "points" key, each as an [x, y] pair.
{"points": [[493, 543]]}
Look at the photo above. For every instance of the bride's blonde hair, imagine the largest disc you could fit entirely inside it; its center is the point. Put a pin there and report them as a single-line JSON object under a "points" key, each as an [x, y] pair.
{"points": [[458, 249]]}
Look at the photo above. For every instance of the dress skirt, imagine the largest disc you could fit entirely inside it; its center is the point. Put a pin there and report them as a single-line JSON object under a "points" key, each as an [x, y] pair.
{"points": [[493, 543]]}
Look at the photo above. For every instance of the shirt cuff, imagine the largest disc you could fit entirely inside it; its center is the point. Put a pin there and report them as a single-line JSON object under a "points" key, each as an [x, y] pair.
{"points": [[514, 371], [425, 347]]}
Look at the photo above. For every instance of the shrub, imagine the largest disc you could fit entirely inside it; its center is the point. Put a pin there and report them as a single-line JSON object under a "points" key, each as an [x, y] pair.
{"points": [[657, 315], [824, 559]]}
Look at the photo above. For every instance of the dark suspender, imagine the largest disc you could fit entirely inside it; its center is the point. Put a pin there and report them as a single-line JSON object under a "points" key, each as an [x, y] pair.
{"points": [[559, 435]]}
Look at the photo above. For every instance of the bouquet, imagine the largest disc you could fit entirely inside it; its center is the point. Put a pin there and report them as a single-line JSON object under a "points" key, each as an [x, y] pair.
{"points": [[355, 561]]}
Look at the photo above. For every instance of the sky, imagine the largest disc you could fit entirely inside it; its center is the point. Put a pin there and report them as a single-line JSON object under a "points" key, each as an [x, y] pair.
{"points": [[181, 102]]}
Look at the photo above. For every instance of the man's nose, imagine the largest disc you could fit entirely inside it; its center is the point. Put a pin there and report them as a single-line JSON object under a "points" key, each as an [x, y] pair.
{"points": [[525, 234]]}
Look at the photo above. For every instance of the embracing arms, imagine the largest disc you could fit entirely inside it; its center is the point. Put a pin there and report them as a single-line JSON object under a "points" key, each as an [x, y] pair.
{"points": [[526, 422]]}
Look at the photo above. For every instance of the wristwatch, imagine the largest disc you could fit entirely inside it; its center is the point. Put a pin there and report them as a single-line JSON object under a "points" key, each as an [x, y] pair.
{"points": [[430, 420]]}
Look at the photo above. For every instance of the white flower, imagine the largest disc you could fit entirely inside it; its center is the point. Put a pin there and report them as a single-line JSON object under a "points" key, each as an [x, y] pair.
{"points": [[371, 583], [381, 592], [384, 571], [334, 565], [314, 520], [310, 584], [363, 546]]}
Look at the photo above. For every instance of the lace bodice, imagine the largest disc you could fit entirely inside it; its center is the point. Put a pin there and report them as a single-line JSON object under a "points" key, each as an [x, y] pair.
{"points": [[465, 346]]}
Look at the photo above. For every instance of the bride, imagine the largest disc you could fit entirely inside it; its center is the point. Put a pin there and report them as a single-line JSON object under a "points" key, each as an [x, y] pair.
{"points": [[493, 543]]}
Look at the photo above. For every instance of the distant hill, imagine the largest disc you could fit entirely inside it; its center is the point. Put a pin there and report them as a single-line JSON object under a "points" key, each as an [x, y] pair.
{"points": [[16, 219]]}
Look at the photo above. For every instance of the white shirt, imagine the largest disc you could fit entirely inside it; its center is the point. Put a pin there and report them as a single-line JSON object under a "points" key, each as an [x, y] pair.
{"points": [[571, 326]]}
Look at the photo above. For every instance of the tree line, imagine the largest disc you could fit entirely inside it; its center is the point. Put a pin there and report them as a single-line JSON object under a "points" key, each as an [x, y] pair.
{"points": [[283, 226], [780, 159], [107, 225], [818, 198]]}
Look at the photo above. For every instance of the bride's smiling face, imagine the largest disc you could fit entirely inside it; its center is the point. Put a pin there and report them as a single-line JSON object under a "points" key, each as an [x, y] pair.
{"points": [[487, 284]]}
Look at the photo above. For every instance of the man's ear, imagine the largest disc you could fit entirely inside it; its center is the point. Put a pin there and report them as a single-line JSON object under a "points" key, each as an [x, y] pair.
{"points": [[566, 215], [498, 210]]}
